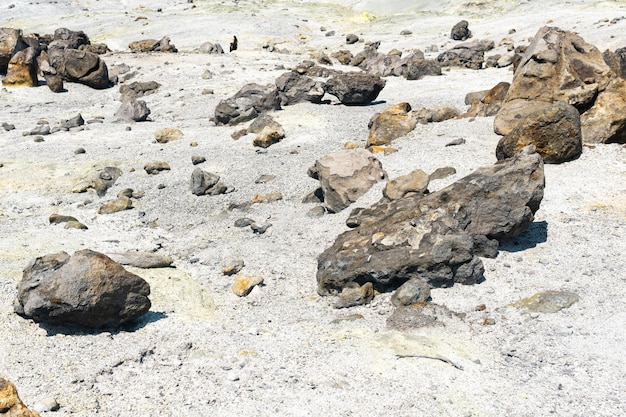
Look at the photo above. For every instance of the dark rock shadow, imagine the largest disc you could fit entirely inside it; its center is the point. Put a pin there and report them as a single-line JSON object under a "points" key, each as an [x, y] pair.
{"points": [[131, 326], [536, 233]]}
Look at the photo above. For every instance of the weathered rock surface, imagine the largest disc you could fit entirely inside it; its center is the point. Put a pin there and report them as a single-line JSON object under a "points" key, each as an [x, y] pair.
{"points": [[22, 70], [294, 87], [554, 131], [346, 175], [133, 111], [560, 66], [416, 69], [420, 315], [393, 123], [121, 203], [460, 31], [356, 295], [87, 289], [466, 55], [152, 45], [10, 403], [138, 89], [355, 88], [487, 103], [269, 136], [436, 237], [100, 181], [247, 104], [415, 181], [11, 42], [79, 66], [167, 134], [605, 122], [616, 61], [69, 39], [206, 183], [244, 284], [156, 167]]}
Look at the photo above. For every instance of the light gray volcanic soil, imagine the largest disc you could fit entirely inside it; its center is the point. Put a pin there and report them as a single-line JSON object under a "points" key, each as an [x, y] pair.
{"points": [[284, 350]]}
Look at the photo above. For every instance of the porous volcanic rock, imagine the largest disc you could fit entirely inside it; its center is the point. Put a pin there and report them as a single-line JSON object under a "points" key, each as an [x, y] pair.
{"points": [[355, 88], [87, 289], [554, 131], [247, 104], [345, 176], [393, 123], [437, 237]]}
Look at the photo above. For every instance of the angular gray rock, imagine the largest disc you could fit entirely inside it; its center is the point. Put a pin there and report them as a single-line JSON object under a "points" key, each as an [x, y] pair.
{"points": [[206, 183], [355, 88], [296, 88], [132, 110], [437, 237], [345, 176], [247, 104], [11, 42], [411, 292], [554, 131], [86, 289]]}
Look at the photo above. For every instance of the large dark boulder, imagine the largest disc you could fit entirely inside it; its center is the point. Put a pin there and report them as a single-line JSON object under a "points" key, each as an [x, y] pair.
{"points": [[355, 88], [460, 31], [554, 131], [87, 289], [79, 67], [436, 237], [466, 55], [247, 104], [69, 39], [296, 88]]}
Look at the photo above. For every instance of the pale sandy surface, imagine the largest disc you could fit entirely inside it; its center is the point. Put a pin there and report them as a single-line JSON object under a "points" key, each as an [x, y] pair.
{"points": [[202, 350]]}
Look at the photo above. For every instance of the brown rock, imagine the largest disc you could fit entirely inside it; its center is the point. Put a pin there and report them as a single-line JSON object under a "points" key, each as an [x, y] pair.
{"points": [[355, 296], [155, 168], [554, 131], [605, 122], [11, 42], [269, 136], [22, 71], [244, 284], [393, 123], [10, 403], [152, 45], [87, 289], [345, 176], [414, 182], [167, 134], [113, 206], [267, 197], [487, 103], [557, 66]]}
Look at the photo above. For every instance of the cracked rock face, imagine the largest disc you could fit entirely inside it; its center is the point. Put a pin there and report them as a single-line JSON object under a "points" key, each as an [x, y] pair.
{"points": [[437, 237]]}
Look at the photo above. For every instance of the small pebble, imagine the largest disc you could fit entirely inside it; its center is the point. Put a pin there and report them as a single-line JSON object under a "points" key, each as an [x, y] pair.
{"points": [[79, 151]]}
